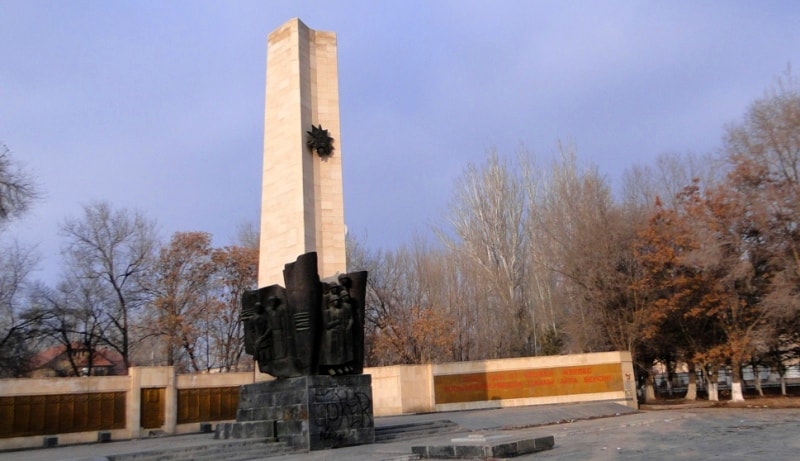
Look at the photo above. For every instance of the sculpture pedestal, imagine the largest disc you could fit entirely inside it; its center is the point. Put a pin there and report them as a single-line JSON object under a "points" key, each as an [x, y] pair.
{"points": [[308, 412]]}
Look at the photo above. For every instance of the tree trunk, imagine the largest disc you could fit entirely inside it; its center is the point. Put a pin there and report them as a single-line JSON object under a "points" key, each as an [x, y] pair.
{"points": [[737, 394], [670, 377], [691, 389], [780, 370], [649, 389], [713, 391], [757, 380], [711, 384]]}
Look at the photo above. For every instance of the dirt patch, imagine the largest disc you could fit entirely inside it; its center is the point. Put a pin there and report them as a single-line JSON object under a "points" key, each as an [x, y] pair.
{"points": [[768, 401]]}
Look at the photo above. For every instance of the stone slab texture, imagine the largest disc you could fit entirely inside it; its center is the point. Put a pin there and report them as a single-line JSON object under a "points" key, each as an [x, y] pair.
{"points": [[308, 412], [485, 447], [302, 202]]}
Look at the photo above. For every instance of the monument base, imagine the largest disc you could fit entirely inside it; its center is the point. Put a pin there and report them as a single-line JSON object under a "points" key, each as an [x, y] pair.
{"points": [[308, 412]]}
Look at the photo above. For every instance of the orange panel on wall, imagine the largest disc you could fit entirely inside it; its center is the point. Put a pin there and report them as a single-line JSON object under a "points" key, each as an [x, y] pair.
{"points": [[517, 384]]}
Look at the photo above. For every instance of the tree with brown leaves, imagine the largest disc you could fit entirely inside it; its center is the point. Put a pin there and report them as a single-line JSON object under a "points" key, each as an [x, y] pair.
{"points": [[678, 294], [181, 298], [236, 270], [407, 304]]}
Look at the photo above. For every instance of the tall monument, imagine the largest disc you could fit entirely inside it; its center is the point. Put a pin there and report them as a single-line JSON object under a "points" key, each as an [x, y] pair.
{"points": [[306, 332], [302, 206]]}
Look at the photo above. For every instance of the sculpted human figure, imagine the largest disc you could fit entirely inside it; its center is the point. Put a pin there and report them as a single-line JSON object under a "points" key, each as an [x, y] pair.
{"points": [[336, 351], [267, 330], [345, 313], [328, 355], [250, 307], [263, 343], [278, 332]]}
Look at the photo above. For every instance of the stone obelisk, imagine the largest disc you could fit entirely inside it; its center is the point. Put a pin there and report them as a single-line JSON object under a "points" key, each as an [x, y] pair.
{"points": [[302, 206]]}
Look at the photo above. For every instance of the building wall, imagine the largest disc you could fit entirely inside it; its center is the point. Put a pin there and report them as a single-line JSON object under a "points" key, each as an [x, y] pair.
{"points": [[401, 389], [396, 390]]}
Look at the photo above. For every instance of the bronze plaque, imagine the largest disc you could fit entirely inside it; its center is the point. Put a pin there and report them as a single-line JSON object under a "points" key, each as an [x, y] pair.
{"points": [[6, 416], [22, 415], [93, 420], [66, 412], [45, 413], [152, 408], [29, 415], [81, 409], [207, 404]]}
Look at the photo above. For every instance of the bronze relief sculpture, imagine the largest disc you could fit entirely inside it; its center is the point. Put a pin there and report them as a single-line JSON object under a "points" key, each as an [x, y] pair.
{"points": [[310, 327], [320, 141]]}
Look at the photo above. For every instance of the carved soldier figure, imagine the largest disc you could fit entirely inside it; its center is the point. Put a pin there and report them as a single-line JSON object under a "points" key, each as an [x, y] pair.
{"points": [[263, 344], [268, 334], [328, 352], [277, 336], [250, 308], [336, 349], [345, 308]]}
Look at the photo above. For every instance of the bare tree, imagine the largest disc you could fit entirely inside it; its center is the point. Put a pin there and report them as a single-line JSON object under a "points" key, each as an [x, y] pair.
{"points": [[111, 251], [73, 317], [666, 180], [18, 324], [768, 137], [489, 240], [17, 189], [543, 287], [586, 241], [247, 236]]}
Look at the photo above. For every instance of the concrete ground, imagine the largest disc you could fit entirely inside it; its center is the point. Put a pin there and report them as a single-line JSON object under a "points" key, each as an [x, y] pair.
{"points": [[697, 434], [599, 431]]}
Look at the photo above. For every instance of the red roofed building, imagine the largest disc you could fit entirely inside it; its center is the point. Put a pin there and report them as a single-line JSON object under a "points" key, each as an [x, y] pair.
{"points": [[55, 362]]}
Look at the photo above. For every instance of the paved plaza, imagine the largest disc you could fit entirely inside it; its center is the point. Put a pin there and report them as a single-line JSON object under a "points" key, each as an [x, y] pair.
{"points": [[697, 434], [581, 431]]}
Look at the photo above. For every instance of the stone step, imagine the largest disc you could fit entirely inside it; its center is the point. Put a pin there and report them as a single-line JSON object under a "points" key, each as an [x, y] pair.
{"points": [[411, 457], [409, 431], [480, 446], [271, 448], [245, 430], [254, 452], [239, 450]]}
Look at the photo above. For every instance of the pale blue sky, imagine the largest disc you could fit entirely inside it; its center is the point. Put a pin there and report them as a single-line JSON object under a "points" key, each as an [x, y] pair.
{"points": [[158, 105]]}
